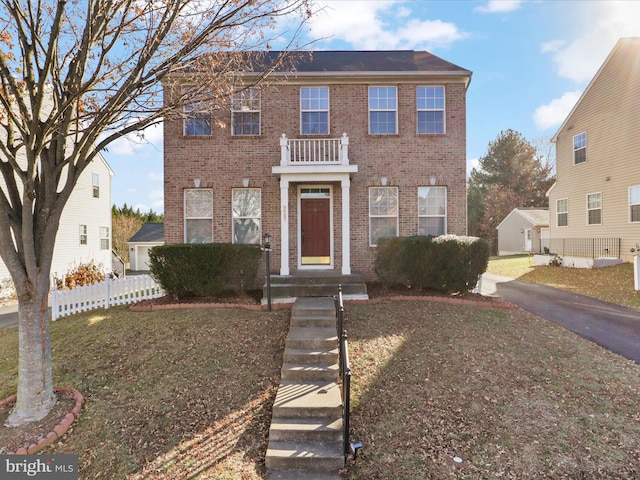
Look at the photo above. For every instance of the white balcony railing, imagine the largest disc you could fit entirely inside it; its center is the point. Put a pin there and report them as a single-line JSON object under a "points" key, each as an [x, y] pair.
{"points": [[320, 151]]}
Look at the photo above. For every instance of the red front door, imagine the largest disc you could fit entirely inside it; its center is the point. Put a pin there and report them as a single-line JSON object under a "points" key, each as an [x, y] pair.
{"points": [[315, 231]]}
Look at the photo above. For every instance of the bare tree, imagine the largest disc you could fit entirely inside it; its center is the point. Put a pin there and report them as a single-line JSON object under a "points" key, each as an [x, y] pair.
{"points": [[76, 75]]}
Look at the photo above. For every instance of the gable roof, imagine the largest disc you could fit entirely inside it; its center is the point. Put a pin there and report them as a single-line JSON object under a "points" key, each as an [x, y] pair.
{"points": [[629, 46], [149, 233], [538, 217]]}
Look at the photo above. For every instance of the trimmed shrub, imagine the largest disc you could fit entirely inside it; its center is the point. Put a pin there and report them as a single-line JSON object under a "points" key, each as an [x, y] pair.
{"points": [[449, 263], [204, 269]]}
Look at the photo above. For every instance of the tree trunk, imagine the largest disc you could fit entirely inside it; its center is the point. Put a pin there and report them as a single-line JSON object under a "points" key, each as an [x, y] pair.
{"points": [[35, 396]]}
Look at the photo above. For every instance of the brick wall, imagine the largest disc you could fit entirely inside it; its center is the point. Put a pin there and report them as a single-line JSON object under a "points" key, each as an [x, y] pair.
{"points": [[406, 159]]}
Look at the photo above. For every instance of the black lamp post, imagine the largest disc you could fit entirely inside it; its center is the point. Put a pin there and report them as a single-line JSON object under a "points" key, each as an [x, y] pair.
{"points": [[267, 249]]}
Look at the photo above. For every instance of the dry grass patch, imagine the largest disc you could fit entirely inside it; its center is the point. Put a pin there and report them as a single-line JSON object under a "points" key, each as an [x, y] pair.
{"points": [[173, 394], [510, 394]]}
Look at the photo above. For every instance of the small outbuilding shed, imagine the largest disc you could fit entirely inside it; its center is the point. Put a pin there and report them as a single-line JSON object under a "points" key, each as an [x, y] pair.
{"points": [[149, 235], [524, 230]]}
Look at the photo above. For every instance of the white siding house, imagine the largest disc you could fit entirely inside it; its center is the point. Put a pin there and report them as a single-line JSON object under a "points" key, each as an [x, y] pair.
{"points": [[84, 234]]}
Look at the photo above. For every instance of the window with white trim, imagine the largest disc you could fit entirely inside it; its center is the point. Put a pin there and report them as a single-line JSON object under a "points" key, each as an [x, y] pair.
{"points": [[83, 235], [594, 209], [562, 212], [198, 215], [383, 109], [580, 148], [245, 112], [105, 243], [430, 106], [197, 121], [432, 211], [634, 204], [383, 213], [95, 185], [246, 213], [314, 110]]}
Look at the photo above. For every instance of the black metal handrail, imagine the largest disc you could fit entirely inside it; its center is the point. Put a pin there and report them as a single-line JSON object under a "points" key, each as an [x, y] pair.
{"points": [[345, 375]]}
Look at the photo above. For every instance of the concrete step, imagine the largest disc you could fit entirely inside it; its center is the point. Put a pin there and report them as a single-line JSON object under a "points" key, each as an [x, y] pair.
{"points": [[286, 290], [324, 306], [306, 429], [311, 337], [301, 475], [309, 371], [297, 399], [304, 320], [311, 355], [325, 456]]}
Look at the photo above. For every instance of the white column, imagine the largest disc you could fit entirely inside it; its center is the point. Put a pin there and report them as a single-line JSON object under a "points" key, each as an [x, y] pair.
{"points": [[346, 227], [284, 227]]}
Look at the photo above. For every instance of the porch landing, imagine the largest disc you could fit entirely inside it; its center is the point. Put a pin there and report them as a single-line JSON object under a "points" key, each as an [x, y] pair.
{"points": [[286, 288]]}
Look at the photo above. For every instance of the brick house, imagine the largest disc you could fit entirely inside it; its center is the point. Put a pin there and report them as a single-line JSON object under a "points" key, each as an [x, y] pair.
{"points": [[350, 147]]}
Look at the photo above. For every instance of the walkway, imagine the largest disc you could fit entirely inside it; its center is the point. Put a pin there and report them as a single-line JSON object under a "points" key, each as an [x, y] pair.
{"points": [[611, 326]]}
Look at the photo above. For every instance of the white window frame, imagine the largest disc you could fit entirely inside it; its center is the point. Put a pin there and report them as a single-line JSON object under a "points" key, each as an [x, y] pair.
{"points": [[387, 109], [426, 104], [95, 184], [372, 191], [634, 202], [246, 102], [105, 243], [308, 109], [84, 237], [580, 145], [256, 218], [426, 211], [563, 212], [590, 209], [196, 113], [205, 213]]}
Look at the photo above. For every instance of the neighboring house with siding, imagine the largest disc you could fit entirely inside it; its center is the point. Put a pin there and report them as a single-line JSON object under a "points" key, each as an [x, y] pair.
{"points": [[84, 233], [350, 147], [594, 206], [524, 230]]}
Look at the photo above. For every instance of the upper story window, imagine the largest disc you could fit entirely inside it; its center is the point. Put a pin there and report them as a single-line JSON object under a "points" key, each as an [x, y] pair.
{"points": [[314, 110], [383, 213], [430, 105], [198, 215], [432, 211], [197, 121], [245, 112], [594, 209], [580, 148], [383, 110], [95, 183], [246, 212], [634, 204], [562, 212]]}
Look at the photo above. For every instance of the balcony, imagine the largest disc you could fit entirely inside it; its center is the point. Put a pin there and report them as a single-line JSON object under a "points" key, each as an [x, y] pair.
{"points": [[315, 156]]}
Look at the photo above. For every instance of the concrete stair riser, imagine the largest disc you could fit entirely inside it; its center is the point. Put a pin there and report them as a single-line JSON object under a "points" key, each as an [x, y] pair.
{"points": [[302, 475], [306, 430], [313, 321], [304, 455], [312, 356], [306, 371]]}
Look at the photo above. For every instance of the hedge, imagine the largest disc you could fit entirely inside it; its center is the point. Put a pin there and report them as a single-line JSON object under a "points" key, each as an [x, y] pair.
{"points": [[449, 263], [204, 269]]}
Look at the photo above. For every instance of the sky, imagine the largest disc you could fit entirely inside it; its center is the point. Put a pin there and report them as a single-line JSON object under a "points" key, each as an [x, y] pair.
{"points": [[531, 60]]}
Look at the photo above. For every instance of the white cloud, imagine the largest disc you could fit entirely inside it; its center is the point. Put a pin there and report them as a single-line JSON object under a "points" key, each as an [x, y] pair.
{"points": [[471, 164], [132, 144], [602, 24], [364, 26], [156, 176], [499, 6], [554, 113]]}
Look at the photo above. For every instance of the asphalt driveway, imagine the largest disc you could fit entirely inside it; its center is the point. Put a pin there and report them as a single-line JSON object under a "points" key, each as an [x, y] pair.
{"points": [[611, 326]]}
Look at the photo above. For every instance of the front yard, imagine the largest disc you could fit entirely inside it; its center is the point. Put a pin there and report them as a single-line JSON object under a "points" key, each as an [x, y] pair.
{"points": [[187, 394]]}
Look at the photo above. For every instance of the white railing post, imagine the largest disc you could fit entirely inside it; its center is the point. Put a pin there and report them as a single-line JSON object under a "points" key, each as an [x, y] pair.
{"points": [[344, 149], [285, 153]]}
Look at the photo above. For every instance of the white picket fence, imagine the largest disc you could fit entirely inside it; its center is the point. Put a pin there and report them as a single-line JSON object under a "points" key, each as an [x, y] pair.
{"points": [[119, 291]]}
